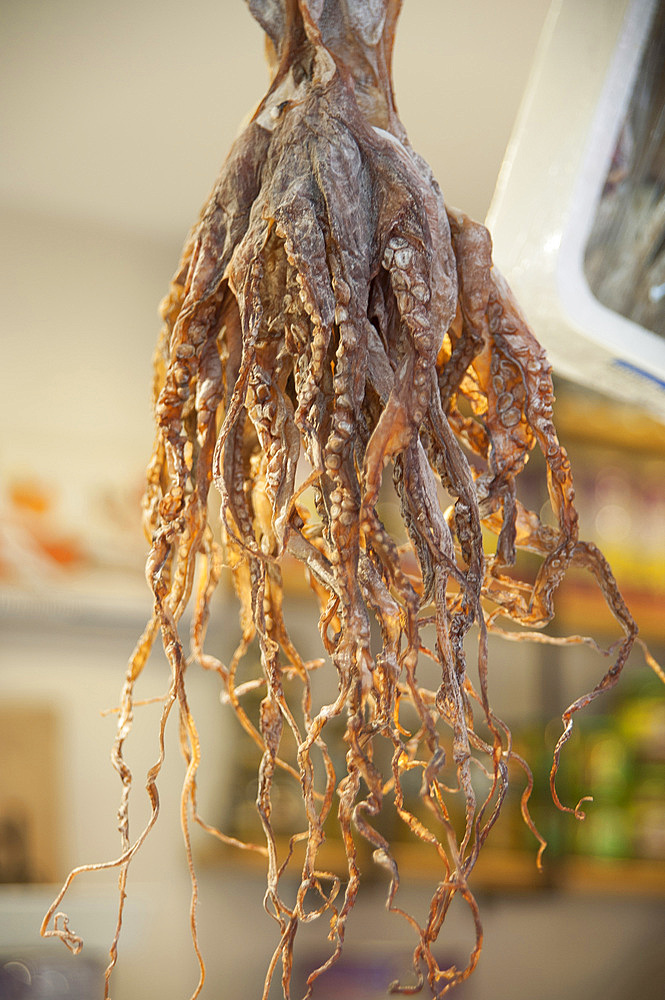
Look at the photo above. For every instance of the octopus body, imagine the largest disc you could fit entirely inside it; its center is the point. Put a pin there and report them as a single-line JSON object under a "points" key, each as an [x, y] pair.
{"points": [[331, 314]]}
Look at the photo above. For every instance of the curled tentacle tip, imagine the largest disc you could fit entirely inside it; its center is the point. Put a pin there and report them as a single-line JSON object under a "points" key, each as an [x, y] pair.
{"points": [[385, 860], [578, 812], [61, 930]]}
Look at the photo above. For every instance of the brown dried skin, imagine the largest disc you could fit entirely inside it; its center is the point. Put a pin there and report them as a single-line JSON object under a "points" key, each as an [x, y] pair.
{"points": [[330, 309]]}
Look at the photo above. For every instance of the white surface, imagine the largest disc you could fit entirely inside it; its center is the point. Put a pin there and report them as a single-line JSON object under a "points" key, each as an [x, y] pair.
{"points": [[549, 187]]}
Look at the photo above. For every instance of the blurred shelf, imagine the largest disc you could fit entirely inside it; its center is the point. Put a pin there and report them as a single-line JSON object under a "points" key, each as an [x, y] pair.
{"points": [[618, 876], [583, 415], [581, 607], [496, 869]]}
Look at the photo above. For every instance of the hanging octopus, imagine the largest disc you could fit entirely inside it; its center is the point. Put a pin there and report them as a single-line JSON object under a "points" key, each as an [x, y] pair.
{"points": [[334, 331]]}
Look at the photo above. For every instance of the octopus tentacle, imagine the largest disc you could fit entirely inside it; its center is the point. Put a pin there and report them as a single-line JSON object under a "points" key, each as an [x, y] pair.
{"points": [[330, 319]]}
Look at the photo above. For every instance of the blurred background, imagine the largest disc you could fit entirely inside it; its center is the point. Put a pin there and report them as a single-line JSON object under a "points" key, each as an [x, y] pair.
{"points": [[115, 120]]}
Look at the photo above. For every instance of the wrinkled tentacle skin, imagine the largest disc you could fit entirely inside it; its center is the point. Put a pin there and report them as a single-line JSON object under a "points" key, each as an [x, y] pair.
{"points": [[331, 317]]}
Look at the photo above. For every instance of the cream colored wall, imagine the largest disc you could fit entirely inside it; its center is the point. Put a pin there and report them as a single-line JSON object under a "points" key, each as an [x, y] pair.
{"points": [[79, 319], [123, 111]]}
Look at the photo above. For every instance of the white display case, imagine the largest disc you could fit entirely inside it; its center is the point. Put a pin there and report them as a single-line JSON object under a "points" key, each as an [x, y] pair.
{"points": [[578, 216]]}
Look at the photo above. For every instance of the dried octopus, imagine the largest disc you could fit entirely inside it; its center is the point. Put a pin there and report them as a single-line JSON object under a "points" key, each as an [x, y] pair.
{"points": [[331, 313]]}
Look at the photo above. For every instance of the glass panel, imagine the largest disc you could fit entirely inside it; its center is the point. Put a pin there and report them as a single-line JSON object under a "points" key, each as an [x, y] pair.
{"points": [[625, 254]]}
